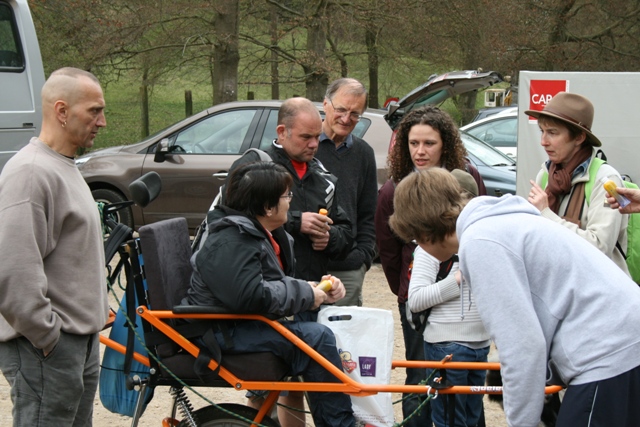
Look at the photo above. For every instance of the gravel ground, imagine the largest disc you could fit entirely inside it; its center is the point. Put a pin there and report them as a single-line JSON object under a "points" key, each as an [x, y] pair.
{"points": [[376, 294]]}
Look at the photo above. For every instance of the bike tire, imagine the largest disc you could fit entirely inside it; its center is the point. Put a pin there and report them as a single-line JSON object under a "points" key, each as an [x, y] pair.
{"points": [[214, 416]]}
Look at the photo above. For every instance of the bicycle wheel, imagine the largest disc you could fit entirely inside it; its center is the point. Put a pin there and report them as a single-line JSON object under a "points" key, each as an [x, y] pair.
{"points": [[212, 416]]}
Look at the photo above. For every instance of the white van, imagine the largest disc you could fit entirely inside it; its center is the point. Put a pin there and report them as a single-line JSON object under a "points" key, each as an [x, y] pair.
{"points": [[21, 78]]}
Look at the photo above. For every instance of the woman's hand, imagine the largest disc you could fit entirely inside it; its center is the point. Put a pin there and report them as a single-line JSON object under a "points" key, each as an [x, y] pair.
{"points": [[337, 291], [538, 197], [319, 296]]}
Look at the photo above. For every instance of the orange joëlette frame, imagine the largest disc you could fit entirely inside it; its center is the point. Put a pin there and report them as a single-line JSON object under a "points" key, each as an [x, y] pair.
{"points": [[347, 385]]}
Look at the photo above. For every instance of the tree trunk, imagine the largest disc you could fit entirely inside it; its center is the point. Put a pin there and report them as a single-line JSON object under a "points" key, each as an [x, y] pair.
{"points": [[371, 40], [275, 77], [315, 68], [226, 54]]}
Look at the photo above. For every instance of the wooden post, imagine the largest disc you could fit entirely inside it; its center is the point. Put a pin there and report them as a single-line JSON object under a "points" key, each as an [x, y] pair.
{"points": [[188, 103], [251, 95], [144, 110]]}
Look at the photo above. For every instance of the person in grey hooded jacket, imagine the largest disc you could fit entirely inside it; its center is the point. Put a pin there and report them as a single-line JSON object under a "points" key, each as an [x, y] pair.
{"points": [[557, 308], [244, 268]]}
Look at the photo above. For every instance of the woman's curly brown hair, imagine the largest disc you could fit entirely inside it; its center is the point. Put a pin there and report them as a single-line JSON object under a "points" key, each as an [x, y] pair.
{"points": [[453, 151]]}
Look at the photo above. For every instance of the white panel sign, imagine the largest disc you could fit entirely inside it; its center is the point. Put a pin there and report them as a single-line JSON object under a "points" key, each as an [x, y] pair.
{"points": [[616, 98]]}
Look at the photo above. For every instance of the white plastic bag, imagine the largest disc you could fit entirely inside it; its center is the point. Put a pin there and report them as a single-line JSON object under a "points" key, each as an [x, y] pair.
{"points": [[364, 337]]}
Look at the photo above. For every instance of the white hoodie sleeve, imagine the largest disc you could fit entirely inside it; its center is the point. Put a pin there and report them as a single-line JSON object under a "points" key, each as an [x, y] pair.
{"points": [[498, 280]]}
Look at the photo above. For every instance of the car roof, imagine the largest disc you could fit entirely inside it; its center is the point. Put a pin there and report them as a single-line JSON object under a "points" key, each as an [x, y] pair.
{"points": [[490, 111], [508, 112]]}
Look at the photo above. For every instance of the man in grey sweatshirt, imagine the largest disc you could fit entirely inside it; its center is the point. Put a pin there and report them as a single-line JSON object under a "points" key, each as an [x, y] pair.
{"points": [[559, 310], [53, 294]]}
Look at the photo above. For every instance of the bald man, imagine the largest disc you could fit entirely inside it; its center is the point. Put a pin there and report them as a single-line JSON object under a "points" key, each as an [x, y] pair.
{"points": [[53, 299]]}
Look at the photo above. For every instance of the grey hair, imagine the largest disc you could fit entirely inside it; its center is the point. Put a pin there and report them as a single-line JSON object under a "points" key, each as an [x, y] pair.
{"points": [[352, 87]]}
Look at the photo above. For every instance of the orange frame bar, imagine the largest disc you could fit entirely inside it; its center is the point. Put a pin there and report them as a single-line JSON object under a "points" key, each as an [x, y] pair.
{"points": [[346, 384]]}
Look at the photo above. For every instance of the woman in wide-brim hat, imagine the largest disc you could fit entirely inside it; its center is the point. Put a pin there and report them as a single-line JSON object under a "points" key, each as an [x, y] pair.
{"points": [[565, 124]]}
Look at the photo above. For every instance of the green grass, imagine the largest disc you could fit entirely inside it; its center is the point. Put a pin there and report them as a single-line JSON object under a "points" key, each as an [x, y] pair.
{"points": [[167, 105]]}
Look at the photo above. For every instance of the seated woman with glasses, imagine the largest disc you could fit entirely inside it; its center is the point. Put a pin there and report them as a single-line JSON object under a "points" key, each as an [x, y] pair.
{"points": [[246, 266]]}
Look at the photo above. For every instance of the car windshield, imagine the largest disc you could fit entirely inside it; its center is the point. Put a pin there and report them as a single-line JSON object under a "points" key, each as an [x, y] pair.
{"points": [[484, 152]]}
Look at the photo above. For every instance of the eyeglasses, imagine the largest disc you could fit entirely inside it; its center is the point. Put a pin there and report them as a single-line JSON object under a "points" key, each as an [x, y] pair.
{"points": [[341, 112], [289, 196]]}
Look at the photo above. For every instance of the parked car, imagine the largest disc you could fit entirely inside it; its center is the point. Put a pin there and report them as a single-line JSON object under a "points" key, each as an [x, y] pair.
{"points": [[497, 170], [499, 130], [194, 155], [483, 113]]}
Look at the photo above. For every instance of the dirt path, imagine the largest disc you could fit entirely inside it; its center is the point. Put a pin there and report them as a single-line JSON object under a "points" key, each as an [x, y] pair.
{"points": [[376, 294]]}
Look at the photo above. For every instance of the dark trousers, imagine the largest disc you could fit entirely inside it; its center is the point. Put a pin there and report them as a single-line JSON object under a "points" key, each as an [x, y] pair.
{"points": [[414, 350], [328, 409], [611, 402], [56, 390]]}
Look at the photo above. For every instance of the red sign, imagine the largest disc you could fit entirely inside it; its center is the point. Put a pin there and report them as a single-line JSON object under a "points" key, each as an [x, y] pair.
{"points": [[541, 92]]}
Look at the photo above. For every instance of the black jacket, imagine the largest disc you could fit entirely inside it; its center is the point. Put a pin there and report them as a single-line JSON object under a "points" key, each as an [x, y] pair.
{"points": [[314, 191], [237, 269]]}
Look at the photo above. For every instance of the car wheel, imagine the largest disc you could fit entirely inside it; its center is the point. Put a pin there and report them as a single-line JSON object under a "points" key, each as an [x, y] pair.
{"points": [[104, 195]]}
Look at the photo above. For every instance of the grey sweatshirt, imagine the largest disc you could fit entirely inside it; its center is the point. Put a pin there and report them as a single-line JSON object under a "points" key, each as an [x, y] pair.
{"points": [[53, 267], [552, 302]]}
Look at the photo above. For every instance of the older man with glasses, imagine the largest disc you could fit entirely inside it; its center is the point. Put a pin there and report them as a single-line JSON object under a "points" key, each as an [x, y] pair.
{"points": [[352, 160]]}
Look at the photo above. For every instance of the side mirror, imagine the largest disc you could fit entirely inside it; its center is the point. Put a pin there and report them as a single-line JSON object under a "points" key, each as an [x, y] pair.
{"points": [[162, 149]]}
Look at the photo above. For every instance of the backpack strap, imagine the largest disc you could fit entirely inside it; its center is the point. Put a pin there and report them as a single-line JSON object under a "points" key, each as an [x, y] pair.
{"points": [[445, 267], [593, 171], [262, 155]]}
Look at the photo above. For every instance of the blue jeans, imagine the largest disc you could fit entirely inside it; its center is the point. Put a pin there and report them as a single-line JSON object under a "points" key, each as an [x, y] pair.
{"points": [[414, 350], [468, 407], [56, 390]]}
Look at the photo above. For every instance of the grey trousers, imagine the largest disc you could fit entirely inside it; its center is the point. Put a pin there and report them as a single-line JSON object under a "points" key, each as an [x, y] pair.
{"points": [[57, 390], [352, 280]]}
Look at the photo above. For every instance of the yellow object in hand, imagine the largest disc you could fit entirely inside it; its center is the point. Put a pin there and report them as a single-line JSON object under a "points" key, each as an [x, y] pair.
{"points": [[325, 285], [323, 212], [611, 186]]}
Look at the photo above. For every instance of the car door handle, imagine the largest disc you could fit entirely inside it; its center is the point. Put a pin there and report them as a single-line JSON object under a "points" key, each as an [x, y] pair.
{"points": [[221, 174]]}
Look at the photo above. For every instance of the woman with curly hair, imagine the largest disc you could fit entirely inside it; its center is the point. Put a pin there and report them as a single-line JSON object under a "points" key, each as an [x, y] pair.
{"points": [[425, 138]]}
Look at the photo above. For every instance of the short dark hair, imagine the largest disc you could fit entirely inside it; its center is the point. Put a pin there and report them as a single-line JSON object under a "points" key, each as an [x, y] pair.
{"points": [[426, 206], [290, 109], [255, 187], [453, 151]]}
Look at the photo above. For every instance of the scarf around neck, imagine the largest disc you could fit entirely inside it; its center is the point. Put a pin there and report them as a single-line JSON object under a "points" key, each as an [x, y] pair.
{"points": [[560, 176]]}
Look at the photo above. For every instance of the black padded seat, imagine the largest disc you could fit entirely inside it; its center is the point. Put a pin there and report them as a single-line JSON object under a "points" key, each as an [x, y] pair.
{"points": [[166, 251]]}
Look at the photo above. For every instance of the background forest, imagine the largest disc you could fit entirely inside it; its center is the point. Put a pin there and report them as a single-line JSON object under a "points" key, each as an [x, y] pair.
{"points": [[148, 53]]}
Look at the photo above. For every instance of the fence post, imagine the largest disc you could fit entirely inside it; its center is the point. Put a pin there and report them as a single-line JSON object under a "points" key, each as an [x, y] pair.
{"points": [[188, 103], [144, 110]]}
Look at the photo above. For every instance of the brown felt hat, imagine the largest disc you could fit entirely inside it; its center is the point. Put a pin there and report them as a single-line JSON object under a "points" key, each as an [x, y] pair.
{"points": [[466, 181], [573, 109]]}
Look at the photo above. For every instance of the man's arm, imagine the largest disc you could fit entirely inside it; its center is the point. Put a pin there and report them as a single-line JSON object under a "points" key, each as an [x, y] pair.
{"points": [[23, 285], [367, 201], [340, 234]]}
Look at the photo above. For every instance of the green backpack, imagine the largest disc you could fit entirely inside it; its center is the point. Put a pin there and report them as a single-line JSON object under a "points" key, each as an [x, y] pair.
{"points": [[633, 228]]}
